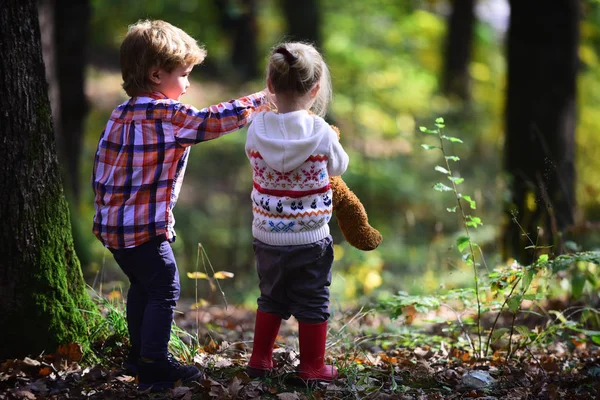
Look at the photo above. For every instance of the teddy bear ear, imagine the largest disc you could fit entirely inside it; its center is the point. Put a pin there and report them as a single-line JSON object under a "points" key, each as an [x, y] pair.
{"points": [[336, 129]]}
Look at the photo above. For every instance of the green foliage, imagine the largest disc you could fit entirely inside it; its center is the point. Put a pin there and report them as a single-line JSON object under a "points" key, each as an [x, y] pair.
{"points": [[385, 59], [110, 328], [507, 287], [111, 321]]}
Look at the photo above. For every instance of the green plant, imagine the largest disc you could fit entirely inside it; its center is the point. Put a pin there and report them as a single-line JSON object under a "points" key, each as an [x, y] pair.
{"points": [[112, 321], [469, 221], [503, 290]]}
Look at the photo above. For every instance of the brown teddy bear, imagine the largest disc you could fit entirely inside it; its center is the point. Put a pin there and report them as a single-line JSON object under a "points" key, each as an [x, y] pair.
{"points": [[352, 216]]}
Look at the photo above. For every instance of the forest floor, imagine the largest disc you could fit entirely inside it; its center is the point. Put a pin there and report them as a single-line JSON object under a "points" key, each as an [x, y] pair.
{"points": [[374, 355]]}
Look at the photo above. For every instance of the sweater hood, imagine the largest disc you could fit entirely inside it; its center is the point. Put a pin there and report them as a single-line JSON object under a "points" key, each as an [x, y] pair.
{"points": [[287, 140]]}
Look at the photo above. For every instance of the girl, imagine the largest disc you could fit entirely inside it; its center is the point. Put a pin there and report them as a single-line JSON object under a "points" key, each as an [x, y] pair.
{"points": [[293, 153]]}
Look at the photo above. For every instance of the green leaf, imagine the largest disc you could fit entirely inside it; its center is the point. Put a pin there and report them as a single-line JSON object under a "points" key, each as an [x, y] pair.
{"points": [[452, 158], [462, 243], [577, 284], [442, 170], [473, 221], [456, 179], [423, 129], [596, 339], [471, 202], [439, 120], [429, 147], [440, 187], [527, 278], [452, 139], [453, 209], [514, 303], [523, 330], [498, 333]]}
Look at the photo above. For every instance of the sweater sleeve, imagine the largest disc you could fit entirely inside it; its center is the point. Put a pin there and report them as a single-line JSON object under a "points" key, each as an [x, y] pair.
{"points": [[193, 126], [338, 158]]}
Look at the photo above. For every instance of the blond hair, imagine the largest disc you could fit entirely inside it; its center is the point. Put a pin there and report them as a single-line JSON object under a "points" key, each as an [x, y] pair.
{"points": [[155, 44], [295, 68]]}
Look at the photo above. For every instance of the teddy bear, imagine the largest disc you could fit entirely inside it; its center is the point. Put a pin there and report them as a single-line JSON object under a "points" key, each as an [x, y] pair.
{"points": [[352, 216]]}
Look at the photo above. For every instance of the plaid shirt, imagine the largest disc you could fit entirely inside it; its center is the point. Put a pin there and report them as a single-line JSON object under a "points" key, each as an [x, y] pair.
{"points": [[141, 159]]}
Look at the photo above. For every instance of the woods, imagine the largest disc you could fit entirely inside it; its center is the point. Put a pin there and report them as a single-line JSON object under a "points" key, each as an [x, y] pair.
{"points": [[507, 89]]}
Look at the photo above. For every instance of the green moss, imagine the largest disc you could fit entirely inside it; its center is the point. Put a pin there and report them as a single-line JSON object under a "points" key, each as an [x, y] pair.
{"points": [[55, 313]]}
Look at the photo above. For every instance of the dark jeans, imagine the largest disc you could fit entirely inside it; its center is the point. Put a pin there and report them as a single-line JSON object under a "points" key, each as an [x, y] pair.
{"points": [[152, 295], [295, 280]]}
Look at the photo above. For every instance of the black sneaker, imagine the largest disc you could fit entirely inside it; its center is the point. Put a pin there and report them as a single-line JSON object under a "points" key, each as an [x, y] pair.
{"points": [[164, 374], [130, 365]]}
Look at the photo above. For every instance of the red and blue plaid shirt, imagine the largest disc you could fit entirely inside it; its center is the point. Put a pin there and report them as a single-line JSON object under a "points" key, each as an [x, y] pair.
{"points": [[141, 159]]}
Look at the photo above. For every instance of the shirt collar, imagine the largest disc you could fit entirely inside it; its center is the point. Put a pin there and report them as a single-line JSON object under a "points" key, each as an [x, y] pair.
{"points": [[153, 95]]}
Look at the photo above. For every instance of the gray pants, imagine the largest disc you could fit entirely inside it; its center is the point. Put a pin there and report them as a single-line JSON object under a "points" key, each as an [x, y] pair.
{"points": [[295, 280]]}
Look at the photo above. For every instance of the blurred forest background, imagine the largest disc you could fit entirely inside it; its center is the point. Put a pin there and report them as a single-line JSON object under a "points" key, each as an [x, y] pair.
{"points": [[395, 65]]}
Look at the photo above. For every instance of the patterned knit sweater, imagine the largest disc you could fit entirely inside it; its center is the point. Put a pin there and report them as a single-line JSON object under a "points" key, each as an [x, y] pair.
{"points": [[292, 156]]}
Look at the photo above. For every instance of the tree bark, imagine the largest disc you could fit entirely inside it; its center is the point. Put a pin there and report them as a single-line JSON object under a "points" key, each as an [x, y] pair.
{"points": [[42, 292], [238, 19], [72, 21], [64, 25], [539, 151], [456, 81], [303, 20]]}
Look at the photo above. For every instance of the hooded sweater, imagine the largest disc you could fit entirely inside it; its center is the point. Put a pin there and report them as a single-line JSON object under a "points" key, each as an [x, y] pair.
{"points": [[292, 157]]}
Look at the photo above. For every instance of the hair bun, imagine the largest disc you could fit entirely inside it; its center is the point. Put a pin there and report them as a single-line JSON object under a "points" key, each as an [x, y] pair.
{"points": [[289, 57]]}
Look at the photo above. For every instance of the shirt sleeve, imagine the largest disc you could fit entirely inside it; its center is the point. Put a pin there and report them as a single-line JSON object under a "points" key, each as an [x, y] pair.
{"points": [[193, 126], [338, 158]]}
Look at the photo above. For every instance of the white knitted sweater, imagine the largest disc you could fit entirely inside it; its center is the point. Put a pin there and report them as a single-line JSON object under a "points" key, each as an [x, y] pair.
{"points": [[292, 156]]}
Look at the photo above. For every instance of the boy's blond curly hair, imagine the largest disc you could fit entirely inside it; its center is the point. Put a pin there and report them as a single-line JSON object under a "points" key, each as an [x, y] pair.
{"points": [[152, 44]]}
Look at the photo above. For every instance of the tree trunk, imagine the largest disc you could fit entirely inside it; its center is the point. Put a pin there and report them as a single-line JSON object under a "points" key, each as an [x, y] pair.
{"points": [[539, 151], [456, 81], [71, 21], [64, 25], [238, 18], [42, 291], [303, 20]]}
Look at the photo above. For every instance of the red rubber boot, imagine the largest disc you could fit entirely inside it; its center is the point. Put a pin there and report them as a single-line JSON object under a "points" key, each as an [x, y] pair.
{"points": [[266, 328], [312, 352]]}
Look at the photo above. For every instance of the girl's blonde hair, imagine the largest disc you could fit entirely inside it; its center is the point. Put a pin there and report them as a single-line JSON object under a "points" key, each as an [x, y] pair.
{"points": [[295, 68], [155, 44]]}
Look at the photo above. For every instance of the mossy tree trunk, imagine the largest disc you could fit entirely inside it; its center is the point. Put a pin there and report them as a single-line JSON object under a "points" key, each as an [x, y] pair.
{"points": [[42, 292], [539, 151]]}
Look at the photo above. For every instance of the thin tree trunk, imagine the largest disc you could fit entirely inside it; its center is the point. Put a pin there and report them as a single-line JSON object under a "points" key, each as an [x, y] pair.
{"points": [[72, 21], [456, 81], [303, 20], [42, 292], [540, 122], [238, 19]]}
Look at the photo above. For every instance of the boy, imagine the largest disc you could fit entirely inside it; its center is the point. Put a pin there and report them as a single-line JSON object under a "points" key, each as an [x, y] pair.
{"points": [[138, 171]]}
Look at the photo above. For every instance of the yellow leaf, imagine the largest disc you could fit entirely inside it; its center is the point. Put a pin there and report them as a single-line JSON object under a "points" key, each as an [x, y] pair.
{"points": [[199, 304], [197, 275], [114, 295], [223, 275]]}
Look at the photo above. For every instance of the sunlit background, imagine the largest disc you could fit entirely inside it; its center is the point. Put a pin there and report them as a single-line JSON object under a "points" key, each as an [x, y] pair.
{"points": [[386, 60]]}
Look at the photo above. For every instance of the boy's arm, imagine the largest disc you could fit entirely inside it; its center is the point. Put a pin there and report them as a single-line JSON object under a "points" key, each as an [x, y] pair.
{"points": [[194, 126]]}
